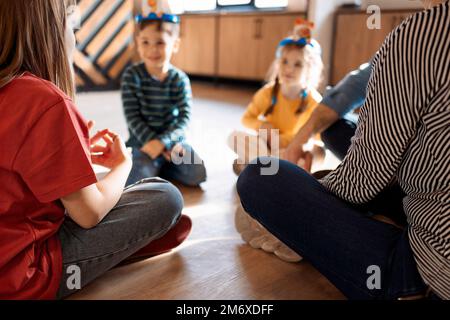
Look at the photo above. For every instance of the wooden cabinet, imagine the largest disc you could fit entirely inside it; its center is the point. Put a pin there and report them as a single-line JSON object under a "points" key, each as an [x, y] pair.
{"points": [[247, 44], [197, 53], [355, 43], [274, 29], [240, 46]]}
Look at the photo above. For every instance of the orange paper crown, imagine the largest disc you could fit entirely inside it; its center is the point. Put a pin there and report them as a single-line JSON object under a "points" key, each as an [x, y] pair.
{"points": [[303, 28]]}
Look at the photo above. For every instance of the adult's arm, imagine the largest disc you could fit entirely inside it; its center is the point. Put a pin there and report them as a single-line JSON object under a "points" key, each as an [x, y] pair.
{"points": [[388, 120], [344, 98]]}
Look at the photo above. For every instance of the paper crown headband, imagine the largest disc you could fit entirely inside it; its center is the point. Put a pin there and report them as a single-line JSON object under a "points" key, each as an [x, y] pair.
{"points": [[158, 17], [302, 36], [157, 10]]}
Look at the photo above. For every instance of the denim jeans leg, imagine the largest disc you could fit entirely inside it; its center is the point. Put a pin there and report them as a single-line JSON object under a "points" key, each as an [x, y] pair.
{"points": [[189, 170], [145, 212], [404, 280], [144, 167], [340, 240]]}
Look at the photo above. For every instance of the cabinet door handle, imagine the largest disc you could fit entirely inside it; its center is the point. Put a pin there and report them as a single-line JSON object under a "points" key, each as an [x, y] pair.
{"points": [[258, 28]]}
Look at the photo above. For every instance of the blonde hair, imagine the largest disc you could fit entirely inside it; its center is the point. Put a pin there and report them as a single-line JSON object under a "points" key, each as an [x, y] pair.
{"points": [[312, 66], [311, 76], [32, 37]]}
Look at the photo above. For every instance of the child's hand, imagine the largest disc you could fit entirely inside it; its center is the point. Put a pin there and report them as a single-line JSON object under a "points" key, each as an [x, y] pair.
{"points": [[111, 155], [153, 148]]}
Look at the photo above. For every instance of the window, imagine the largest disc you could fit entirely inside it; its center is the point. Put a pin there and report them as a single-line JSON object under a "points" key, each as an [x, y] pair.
{"points": [[203, 5], [233, 2], [270, 3]]}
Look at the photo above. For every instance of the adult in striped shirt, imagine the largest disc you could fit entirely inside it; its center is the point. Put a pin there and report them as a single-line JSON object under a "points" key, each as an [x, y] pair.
{"points": [[403, 135], [157, 101]]}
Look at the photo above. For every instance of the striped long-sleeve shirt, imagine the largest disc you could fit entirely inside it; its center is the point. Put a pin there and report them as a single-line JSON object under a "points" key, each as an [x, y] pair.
{"points": [[404, 134], [155, 109]]}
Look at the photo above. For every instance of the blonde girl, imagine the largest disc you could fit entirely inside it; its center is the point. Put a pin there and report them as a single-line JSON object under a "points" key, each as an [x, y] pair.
{"points": [[284, 105]]}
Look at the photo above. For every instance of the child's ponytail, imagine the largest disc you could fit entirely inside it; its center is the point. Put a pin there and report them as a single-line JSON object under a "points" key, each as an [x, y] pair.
{"points": [[275, 91], [303, 103]]}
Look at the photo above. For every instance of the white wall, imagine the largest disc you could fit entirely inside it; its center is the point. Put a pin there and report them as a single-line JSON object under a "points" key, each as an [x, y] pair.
{"points": [[322, 13], [297, 5]]}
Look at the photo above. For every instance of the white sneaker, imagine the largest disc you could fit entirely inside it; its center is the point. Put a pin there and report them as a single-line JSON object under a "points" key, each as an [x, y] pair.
{"points": [[287, 254], [271, 245], [253, 233]]}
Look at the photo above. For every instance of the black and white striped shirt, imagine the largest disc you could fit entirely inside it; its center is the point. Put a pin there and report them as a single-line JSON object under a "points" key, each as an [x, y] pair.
{"points": [[404, 134]]}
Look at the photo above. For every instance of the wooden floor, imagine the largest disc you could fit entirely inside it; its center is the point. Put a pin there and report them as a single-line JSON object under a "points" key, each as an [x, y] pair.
{"points": [[213, 263]]}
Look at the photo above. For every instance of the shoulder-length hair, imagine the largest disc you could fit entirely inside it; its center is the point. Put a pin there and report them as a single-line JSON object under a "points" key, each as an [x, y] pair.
{"points": [[32, 37]]}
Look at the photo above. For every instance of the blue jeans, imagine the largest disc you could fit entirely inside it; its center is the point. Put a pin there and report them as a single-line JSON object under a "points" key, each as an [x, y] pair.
{"points": [[336, 237], [190, 173]]}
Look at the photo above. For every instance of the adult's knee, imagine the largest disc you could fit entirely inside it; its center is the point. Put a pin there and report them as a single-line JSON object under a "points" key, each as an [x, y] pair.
{"points": [[248, 180], [255, 184], [262, 195]]}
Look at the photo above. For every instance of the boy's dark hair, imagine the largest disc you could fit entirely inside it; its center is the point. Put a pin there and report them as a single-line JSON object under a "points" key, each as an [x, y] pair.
{"points": [[172, 29]]}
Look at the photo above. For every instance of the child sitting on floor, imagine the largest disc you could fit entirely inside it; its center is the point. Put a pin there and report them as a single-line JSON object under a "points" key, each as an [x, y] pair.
{"points": [[57, 221], [283, 106], [277, 112], [157, 100]]}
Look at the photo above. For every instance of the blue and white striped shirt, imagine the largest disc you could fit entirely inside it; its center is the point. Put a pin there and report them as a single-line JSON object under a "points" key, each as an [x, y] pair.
{"points": [[155, 109]]}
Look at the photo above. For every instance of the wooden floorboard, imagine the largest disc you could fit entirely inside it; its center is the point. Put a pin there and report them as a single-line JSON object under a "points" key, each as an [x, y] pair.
{"points": [[213, 263]]}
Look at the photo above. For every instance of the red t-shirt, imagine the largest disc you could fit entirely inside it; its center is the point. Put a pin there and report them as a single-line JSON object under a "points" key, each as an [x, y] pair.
{"points": [[44, 155]]}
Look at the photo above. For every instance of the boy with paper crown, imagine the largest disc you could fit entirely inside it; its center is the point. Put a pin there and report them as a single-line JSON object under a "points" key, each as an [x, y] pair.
{"points": [[157, 101]]}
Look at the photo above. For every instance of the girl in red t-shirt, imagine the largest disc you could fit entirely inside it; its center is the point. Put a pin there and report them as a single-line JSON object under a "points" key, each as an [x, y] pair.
{"points": [[60, 228]]}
